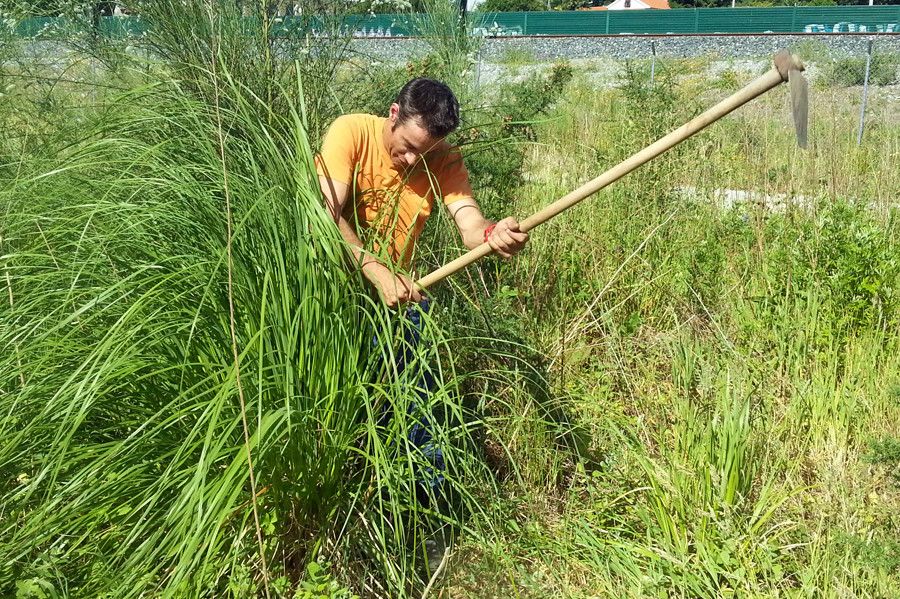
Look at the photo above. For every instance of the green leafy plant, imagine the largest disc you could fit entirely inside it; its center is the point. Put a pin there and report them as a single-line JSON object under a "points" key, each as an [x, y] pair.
{"points": [[319, 584]]}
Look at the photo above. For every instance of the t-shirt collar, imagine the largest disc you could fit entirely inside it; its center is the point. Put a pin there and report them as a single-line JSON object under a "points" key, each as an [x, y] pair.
{"points": [[381, 145]]}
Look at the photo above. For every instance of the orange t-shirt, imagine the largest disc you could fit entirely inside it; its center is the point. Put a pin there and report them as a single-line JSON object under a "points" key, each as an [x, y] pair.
{"points": [[390, 207]]}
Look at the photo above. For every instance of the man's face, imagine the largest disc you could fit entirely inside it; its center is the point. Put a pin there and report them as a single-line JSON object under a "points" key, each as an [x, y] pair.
{"points": [[407, 140]]}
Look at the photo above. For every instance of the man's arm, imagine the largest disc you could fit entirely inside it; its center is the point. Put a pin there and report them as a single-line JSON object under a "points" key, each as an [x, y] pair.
{"points": [[393, 288], [505, 239]]}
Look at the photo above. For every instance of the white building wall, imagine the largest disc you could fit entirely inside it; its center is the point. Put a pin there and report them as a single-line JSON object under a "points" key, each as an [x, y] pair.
{"points": [[635, 5]]}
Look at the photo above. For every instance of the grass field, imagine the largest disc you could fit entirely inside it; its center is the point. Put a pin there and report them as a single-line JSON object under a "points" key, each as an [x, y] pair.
{"points": [[736, 368], [673, 392]]}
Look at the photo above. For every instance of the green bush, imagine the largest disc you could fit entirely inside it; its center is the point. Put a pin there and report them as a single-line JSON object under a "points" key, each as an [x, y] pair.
{"points": [[844, 259], [494, 138], [852, 70], [885, 451]]}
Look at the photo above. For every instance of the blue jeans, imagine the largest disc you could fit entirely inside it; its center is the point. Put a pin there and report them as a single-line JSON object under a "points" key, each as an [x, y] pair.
{"points": [[430, 478]]}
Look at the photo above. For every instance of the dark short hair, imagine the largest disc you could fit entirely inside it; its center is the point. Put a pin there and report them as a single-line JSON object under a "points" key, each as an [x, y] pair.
{"points": [[432, 102]]}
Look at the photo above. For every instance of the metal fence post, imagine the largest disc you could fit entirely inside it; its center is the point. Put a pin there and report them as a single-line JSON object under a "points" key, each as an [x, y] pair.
{"points": [[478, 67], [652, 61], [865, 96]]}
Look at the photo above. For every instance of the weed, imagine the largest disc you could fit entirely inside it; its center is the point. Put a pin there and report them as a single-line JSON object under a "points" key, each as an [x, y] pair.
{"points": [[812, 50], [517, 57], [886, 451], [728, 80]]}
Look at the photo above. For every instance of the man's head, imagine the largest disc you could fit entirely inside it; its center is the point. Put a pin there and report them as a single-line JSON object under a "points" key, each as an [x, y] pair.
{"points": [[424, 112]]}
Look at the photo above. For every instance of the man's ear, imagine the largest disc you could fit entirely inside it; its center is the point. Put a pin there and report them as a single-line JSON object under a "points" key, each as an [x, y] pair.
{"points": [[395, 113]]}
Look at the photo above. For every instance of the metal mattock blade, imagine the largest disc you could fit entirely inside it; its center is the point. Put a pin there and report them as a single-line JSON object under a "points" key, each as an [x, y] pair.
{"points": [[799, 104]]}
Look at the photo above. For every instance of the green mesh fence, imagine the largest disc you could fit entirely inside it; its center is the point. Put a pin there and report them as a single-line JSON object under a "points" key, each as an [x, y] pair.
{"points": [[702, 20], [815, 19]]}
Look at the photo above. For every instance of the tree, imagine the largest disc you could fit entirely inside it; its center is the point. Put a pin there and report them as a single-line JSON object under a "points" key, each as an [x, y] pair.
{"points": [[512, 5], [394, 6], [576, 4], [772, 3]]}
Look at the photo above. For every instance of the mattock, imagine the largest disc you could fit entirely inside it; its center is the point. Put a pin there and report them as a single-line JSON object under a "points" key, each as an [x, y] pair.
{"points": [[787, 68]]}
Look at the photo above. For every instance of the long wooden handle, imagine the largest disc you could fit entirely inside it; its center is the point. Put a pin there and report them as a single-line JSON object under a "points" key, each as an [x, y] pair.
{"points": [[754, 89]]}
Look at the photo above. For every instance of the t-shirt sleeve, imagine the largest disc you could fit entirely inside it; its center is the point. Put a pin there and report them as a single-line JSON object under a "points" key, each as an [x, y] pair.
{"points": [[337, 159], [453, 178]]}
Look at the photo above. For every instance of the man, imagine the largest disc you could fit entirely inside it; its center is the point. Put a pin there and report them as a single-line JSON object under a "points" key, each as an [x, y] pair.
{"points": [[382, 176]]}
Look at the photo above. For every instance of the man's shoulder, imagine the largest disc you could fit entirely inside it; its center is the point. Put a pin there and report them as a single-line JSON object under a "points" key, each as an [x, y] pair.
{"points": [[357, 122]]}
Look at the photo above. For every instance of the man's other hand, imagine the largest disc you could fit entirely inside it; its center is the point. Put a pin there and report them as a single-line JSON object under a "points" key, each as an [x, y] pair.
{"points": [[394, 290], [506, 239]]}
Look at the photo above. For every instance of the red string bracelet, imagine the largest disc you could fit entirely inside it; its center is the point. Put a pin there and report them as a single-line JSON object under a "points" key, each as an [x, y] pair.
{"points": [[488, 231]]}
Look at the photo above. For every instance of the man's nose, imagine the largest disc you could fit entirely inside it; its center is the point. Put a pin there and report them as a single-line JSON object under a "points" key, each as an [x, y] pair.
{"points": [[410, 158]]}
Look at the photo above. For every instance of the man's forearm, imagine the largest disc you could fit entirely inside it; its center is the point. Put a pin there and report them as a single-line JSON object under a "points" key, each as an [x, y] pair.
{"points": [[393, 288], [473, 236], [352, 239], [470, 222], [366, 262], [504, 236]]}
